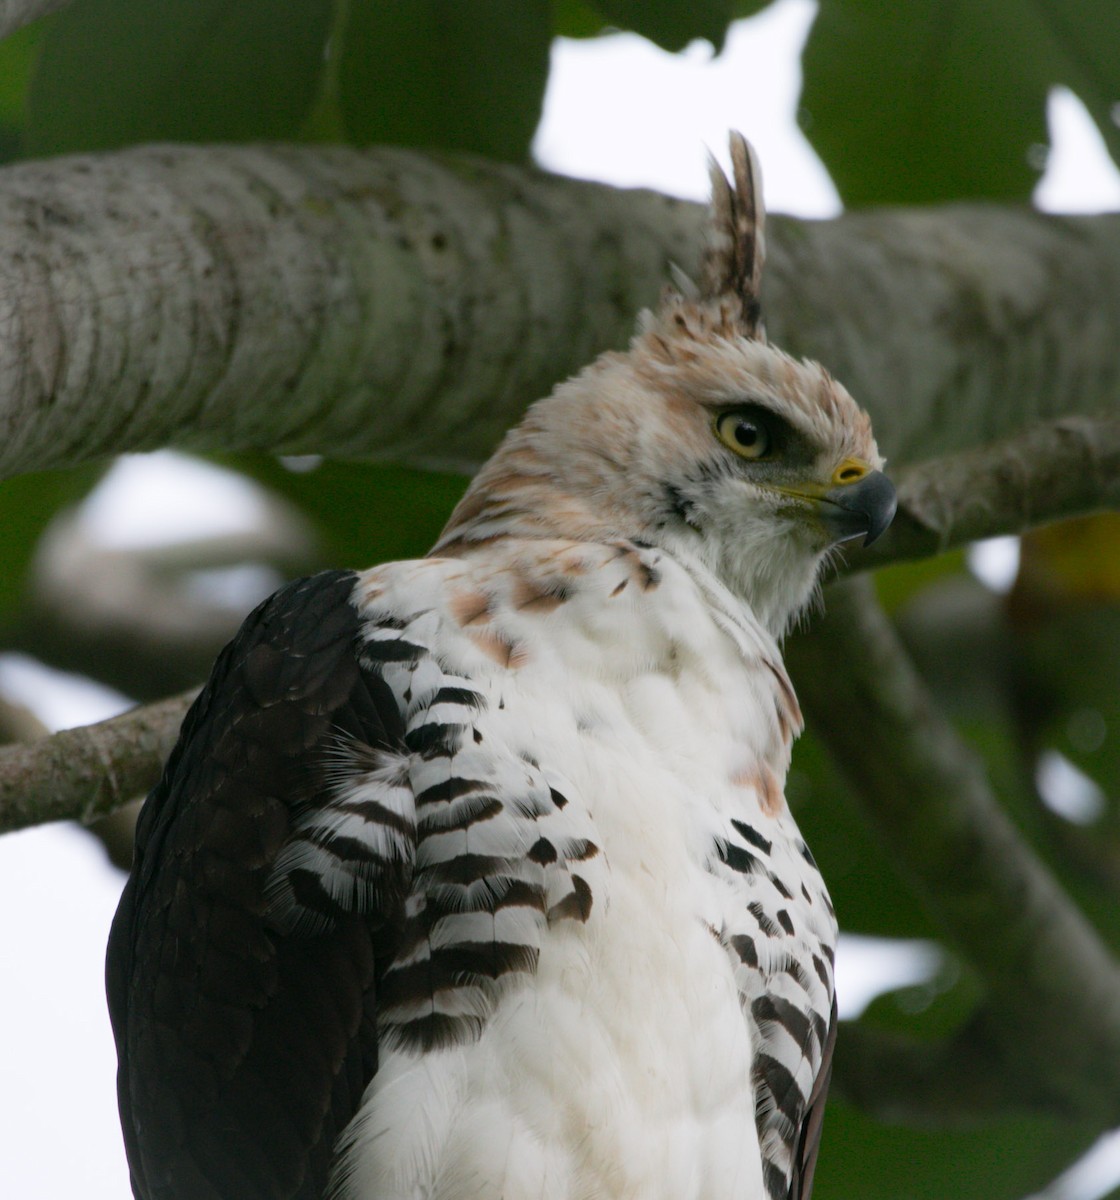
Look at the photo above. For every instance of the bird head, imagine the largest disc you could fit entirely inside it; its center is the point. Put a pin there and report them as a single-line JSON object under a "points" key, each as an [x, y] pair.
{"points": [[702, 439]]}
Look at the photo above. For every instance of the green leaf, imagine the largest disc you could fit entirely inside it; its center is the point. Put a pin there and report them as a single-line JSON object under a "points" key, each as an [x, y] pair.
{"points": [[898, 583], [863, 1159], [672, 24], [18, 54], [445, 74], [366, 513], [1071, 662], [922, 102], [115, 72], [27, 504], [932, 1010], [575, 19], [868, 893]]}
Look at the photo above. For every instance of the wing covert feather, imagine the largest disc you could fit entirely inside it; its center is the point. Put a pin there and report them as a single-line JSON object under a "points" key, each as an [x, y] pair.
{"points": [[245, 1047]]}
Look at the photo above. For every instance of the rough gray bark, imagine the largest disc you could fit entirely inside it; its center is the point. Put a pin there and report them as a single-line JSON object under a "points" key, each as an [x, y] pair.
{"points": [[304, 299], [390, 304], [90, 771], [14, 14], [1055, 469]]}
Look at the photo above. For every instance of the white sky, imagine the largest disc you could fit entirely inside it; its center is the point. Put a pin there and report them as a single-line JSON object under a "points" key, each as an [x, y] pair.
{"points": [[618, 110]]}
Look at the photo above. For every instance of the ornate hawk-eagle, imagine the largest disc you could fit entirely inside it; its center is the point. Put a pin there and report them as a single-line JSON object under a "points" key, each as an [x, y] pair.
{"points": [[472, 878]]}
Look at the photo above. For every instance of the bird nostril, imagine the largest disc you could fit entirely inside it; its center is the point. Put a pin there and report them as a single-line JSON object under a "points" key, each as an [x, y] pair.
{"points": [[849, 471]]}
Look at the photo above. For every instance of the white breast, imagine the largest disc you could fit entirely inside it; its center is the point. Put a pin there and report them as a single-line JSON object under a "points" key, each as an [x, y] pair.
{"points": [[621, 1068]]}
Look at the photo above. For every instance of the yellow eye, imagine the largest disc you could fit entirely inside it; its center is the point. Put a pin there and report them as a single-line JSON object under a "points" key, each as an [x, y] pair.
{"points": [[744, 433]]}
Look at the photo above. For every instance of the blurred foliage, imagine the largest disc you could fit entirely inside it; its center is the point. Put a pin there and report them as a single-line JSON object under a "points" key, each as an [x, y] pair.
{"points": [[356, 507], [433, 74], [112, 73], [895, 585], [906, 103], [18, 56], [863, 1159], [1064, 615], [669, 24], [936, 1008], [869, 895], [925, 102], [27, 504]]}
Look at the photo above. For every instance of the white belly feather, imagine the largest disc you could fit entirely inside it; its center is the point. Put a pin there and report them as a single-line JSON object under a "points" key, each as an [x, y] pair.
{"points": [[622, 1067]]}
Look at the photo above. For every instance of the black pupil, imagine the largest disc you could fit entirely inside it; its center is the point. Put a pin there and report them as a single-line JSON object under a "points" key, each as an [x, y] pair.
{"points": [[746, 433]]}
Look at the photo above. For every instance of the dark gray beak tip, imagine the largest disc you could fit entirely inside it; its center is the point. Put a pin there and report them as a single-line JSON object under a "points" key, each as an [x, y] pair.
{"points": [[882, 507], [864, 509]]}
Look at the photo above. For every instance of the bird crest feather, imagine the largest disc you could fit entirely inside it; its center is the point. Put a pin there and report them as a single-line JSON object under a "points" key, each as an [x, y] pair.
{"points": [[726, 301], [736, 250]]}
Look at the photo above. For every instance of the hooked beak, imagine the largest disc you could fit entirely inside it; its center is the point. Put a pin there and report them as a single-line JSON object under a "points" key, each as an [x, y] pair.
{"points": [[861, 509]]}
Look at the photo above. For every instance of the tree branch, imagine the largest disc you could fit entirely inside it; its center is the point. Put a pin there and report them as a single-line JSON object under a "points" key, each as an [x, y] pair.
{"points": [[390, 304], [1050, 978], [15, 14], [82, 774], [1053, 470], [116, 830], [305, 299]]}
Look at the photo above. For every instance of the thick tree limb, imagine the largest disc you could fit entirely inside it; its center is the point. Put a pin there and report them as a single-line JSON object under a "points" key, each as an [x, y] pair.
{"points": [[1056, 469], [389, 304], [116, 829], [1050, 978], [14, 14], [87, 772], [304, 299]]}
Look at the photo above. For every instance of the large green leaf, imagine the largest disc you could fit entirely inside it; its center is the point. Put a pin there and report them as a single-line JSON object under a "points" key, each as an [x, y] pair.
{"points": [[27, 504], [365, 513], [931, 1010], [576, 19], [861, 1159], [670, 23], [869, 894], [116, 72], [18, 54], [446, 74], [926, 101], [899, 582]]}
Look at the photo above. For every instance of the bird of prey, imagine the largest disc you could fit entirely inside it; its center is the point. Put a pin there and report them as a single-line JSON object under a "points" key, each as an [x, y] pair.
{"points": [[472, 878]]}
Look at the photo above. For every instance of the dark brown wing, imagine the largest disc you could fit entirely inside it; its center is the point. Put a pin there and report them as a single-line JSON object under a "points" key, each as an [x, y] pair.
{"points": [[808, 1144], [244, 1048]]}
